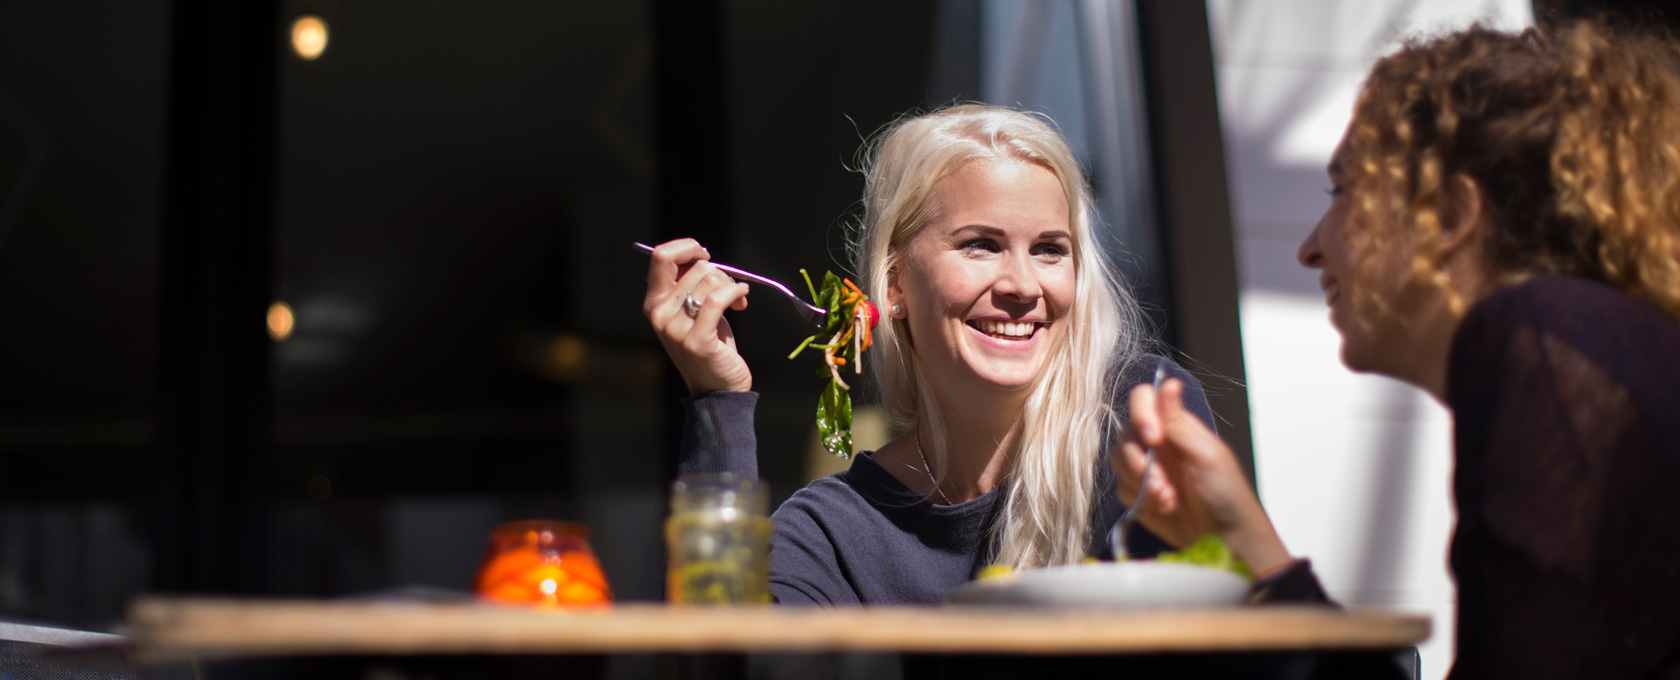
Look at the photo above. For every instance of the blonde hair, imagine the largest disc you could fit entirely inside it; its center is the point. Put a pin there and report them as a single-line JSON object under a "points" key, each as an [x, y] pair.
{"points": [[1573, 134], [1050, 480]]}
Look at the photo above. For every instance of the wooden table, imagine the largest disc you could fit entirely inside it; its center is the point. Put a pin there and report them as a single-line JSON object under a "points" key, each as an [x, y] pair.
{"points": [[172, 629]]}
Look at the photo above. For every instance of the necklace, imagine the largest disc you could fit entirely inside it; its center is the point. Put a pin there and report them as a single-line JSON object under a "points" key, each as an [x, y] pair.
{"points": [[929, 470]]}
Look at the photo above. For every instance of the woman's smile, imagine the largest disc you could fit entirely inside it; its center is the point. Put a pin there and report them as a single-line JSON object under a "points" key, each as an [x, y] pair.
{"points": [[1017, 332], [1332, 290]]}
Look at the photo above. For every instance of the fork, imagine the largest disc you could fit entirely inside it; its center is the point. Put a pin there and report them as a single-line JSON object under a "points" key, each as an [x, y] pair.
{"points": [[812, 313], [1117, 535]]}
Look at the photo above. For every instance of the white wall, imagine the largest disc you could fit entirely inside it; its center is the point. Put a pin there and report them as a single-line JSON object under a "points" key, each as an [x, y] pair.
{"points": [[1355, 470]]}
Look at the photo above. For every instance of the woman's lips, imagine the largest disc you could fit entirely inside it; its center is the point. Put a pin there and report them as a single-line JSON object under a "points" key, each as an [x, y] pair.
{"points": [[1331, 291]]}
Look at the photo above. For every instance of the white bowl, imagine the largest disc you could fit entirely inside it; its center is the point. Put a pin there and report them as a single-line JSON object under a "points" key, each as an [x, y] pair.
{"points": [[1109, 585]]}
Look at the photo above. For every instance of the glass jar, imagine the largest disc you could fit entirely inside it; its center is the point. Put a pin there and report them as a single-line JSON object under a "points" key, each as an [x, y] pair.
{"points": [[718, 539]]}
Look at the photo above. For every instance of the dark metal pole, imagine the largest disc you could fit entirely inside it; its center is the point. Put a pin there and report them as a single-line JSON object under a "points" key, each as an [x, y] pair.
{"points": [[691, 127], [1194, 207], [214, 416]]}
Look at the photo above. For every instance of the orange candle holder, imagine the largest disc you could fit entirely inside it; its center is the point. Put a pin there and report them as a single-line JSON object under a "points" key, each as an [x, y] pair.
{"points": [[542, 562]]}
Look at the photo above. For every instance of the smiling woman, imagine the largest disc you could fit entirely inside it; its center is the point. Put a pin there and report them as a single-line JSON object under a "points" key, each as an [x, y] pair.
{"points": [[1007, 345]]}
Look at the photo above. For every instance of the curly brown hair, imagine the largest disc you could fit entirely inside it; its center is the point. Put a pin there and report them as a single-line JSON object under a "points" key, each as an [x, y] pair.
{"points": [[1572, 132]]}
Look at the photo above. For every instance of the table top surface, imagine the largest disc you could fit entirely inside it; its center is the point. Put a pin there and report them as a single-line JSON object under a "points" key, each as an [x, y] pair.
{"points": [[169, 628]]}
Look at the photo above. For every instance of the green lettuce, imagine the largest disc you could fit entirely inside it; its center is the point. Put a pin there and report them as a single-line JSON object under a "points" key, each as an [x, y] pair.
{"points": [[1208, 551]]}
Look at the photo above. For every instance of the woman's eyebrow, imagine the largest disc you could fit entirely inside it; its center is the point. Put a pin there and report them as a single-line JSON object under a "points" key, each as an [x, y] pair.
{"points": [[980, 230], [984, 230]]}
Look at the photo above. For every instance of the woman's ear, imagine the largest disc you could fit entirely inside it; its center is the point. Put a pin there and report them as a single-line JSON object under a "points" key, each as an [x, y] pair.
{"points": [[895, 295], [1465, 215]]}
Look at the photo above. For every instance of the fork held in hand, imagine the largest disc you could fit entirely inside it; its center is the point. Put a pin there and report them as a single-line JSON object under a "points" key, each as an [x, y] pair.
{"points": [[812, 313], [1117, 535]]}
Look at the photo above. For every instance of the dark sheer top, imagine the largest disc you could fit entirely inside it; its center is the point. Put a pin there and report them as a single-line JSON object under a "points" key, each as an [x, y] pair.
{"points": [[1566, 402]]}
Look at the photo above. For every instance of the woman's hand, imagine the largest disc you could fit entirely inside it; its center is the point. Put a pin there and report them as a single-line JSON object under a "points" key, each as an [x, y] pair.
{"points": [[702, 346], [1202, 490]]}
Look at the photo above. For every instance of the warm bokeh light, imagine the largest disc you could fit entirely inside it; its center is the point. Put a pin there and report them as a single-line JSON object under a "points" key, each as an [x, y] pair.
{"points": [[569, 353], [280, 320], [309, 36]]}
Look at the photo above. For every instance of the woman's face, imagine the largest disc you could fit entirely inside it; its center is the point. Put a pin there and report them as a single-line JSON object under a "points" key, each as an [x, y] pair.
{"points": [[987, 283], [1363, 288]]}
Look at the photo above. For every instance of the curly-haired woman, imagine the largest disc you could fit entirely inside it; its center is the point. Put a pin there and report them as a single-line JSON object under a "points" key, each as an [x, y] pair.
{"points": [[1504, 233]]}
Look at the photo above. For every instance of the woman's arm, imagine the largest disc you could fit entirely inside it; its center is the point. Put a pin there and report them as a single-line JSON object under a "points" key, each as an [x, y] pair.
{"points": [[717, 417], [717, 434], [1198, 487]]}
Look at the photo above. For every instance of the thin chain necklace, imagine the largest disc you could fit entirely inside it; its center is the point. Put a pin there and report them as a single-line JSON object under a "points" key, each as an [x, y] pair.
{"points": [[929, 470]]}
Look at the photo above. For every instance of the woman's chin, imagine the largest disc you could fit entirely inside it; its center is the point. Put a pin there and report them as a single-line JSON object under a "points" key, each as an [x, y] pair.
{"points": [[1359, 357], [1006, 374], [1006, 379]]}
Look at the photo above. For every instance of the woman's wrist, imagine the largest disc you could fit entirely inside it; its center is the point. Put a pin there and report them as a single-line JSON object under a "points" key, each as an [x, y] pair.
{"points": [[1256, 542], [697, 390], [1262, 554]]}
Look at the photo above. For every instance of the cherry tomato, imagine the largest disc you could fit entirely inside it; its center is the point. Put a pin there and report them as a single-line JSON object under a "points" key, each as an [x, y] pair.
{"points": [[870, 313]]}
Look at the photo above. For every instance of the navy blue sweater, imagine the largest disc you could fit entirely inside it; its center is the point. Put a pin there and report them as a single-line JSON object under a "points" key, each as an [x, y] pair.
{"points": [[861, 537]]}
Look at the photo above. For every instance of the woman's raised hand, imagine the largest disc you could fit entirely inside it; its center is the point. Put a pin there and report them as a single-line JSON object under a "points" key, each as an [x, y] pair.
{"points": [[702, 345], [1203, 490]]}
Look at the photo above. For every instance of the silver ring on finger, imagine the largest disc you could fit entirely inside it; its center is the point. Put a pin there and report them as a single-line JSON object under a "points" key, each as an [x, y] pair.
{"points": [[689, 306]]}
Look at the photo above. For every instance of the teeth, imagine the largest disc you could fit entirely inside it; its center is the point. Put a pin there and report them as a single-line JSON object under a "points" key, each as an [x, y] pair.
{"points": [[1013, 329], [1330, 293]]}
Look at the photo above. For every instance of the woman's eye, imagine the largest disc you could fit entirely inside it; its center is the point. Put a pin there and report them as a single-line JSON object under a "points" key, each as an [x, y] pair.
{"points": [[981, 245], [1052, 250]]}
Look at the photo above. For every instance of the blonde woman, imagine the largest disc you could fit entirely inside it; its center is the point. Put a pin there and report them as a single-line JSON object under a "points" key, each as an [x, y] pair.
{"points": [[1004, 341], [1504, 233]]}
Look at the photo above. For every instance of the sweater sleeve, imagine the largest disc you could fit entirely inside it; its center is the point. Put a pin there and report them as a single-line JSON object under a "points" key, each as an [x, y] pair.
{"points": [[1293, 584], [717, 434], [1195, 399]]}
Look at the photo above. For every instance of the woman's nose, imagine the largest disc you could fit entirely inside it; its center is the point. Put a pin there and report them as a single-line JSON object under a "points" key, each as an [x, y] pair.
{"points": [[1017, 280], [1309, 254]]}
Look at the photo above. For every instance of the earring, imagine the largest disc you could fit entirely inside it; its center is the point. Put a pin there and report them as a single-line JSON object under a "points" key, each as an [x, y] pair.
{"points": [[897, 310]]}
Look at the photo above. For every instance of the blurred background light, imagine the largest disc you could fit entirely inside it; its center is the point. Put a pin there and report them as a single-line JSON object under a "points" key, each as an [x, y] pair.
{"points": [[280, 320], [569, 353], [309, 37], [319, 487]]}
